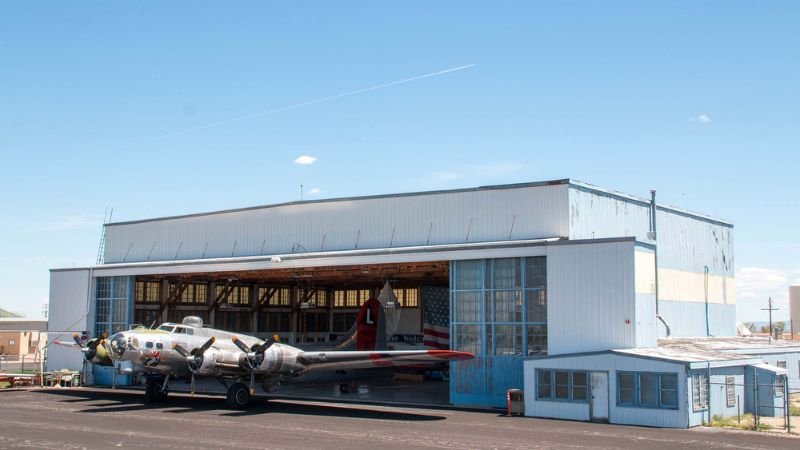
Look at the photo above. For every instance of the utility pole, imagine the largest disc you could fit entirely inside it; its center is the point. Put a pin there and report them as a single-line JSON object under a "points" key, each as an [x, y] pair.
{"points": [[770, 309]]}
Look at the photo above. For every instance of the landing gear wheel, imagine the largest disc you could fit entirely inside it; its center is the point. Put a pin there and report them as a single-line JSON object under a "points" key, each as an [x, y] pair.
{"points": [[153, 392], [238, 395]]}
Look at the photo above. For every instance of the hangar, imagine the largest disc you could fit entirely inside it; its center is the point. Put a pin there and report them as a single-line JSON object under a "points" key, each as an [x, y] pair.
{"points": [[507, 272]]}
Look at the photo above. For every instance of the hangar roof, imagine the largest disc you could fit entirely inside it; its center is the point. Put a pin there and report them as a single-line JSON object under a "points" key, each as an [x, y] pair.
{"points": [[563, 181]]}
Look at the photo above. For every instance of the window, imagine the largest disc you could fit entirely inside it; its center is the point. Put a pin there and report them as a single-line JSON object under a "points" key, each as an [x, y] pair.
{"points": [[544, 383], [780, 380], [315, 298], [148, 344], [111, 306], [352, 298], [562, 385], [508, 340], [408, 297], [647, 390], [699, 391], [730, 390], [159, 345], [281, 297], [238, 296], [12, 342], [148, 292]]}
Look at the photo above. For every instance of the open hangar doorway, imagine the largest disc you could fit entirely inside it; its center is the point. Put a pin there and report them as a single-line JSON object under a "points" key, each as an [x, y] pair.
{"points": [[312, 306]]}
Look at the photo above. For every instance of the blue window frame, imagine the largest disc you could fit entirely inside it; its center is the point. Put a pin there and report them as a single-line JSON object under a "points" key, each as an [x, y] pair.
{"points": [[562, 385], [647, 390]]}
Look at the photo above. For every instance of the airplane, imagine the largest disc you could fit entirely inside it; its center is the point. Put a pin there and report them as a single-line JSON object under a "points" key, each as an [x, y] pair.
{"points": [[240, 361]]}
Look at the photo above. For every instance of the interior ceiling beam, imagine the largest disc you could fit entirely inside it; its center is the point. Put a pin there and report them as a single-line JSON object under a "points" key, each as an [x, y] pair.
{"points": [[428, 272]]}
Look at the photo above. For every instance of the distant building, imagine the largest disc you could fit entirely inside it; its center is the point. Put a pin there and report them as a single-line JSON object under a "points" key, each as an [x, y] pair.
{"points": [[21, 337]]}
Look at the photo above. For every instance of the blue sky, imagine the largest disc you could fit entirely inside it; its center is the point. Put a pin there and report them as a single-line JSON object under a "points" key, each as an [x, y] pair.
{"points": [[699, 100]]}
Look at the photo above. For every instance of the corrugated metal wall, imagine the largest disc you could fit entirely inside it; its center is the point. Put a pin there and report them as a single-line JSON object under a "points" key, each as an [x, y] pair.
{"points": [[590, 297], [686, 245], [685, 242], [392, 221], [69, 290]]}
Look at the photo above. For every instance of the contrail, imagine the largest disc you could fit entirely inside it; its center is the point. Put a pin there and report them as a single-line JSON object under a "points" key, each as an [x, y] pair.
{"points": [[310, 102]]}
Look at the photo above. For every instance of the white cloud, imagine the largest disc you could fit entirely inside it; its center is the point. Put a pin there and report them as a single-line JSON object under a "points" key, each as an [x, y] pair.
{"points": [[315, 191], [755, 285], [703, 118], [305, 160]]}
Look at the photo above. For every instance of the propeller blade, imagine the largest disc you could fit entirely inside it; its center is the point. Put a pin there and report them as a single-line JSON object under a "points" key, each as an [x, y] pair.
{"points": [[267, 344], [182, 351], [240, 344], [205, 346]]}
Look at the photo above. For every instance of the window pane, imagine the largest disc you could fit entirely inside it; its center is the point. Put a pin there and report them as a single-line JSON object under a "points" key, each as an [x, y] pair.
{"points": [[468, 339], [669, 398], [536, 272], [468, 306], [625, 388], [536, 305], [579, 393], [508, 340], [506, 274], [544, 384], [468, 274], [507, 306], [537, 339], [648, 390], [562, 385], [579, 378]]}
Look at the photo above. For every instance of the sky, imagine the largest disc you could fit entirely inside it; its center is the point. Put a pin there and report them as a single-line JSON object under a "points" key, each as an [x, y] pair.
{"points": [[162, 108]]}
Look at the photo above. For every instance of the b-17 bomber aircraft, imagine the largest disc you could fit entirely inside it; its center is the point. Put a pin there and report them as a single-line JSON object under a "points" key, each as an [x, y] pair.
{"points": [[239, 361]]}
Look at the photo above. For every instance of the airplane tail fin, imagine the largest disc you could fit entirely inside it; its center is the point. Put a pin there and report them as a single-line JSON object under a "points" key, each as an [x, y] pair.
{"points": [[367, 333]]}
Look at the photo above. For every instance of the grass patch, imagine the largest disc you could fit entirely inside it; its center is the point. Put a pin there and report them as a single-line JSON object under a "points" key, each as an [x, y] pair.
{"points": [[794, 410], [747, 423]]}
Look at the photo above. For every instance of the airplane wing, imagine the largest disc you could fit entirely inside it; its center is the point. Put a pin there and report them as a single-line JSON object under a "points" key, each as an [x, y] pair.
{"points": [[66, 344], [339, 360]]}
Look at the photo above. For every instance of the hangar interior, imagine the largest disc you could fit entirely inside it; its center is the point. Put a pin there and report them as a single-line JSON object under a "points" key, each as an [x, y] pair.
{"points": [[301, 305]]}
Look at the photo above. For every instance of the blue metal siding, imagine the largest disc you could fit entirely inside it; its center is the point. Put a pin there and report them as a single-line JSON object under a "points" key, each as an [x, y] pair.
{"points": [[689, 318], [485, 379]]}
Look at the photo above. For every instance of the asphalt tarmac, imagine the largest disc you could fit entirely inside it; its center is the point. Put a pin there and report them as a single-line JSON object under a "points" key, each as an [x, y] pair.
{"points": [[100, 418]]}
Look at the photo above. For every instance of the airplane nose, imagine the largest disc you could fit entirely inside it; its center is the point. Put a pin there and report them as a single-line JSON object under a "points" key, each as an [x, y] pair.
{"points": [[119, 343]]}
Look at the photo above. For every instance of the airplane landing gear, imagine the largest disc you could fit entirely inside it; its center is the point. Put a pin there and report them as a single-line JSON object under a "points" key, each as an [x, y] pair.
{"points": [[238, 395], [156, 390], [153, 392]]}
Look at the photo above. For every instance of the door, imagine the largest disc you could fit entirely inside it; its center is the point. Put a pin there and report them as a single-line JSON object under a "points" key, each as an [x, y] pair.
{"points": [[598, 406]]}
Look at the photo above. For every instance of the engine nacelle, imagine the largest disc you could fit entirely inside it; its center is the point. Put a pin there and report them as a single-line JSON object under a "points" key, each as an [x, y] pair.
{"points": [[279, 360], [208, 364]]}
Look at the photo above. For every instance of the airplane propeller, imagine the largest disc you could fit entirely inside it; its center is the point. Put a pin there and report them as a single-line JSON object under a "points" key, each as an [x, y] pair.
{"points": [[89, 348], [195, 356], [255, 355]]}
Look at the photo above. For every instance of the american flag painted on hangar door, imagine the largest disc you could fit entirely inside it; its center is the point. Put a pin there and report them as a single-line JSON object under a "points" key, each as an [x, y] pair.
{"points": [[435, 317]]}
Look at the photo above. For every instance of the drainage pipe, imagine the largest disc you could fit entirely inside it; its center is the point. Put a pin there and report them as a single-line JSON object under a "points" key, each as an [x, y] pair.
{"points": [[653, 236]]}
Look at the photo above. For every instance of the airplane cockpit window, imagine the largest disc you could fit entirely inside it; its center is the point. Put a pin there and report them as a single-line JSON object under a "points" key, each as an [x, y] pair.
{"points": [[180, 330], [148, 344], [167, 328]]}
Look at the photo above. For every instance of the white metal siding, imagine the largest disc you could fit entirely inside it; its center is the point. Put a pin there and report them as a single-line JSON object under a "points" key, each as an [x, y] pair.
{"points": [[685, 242], [396, 221], [69, 290], [590, 291]]}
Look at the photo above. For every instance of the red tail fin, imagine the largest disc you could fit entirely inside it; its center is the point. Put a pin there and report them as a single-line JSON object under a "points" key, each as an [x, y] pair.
{"points": [[367, 325]]}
